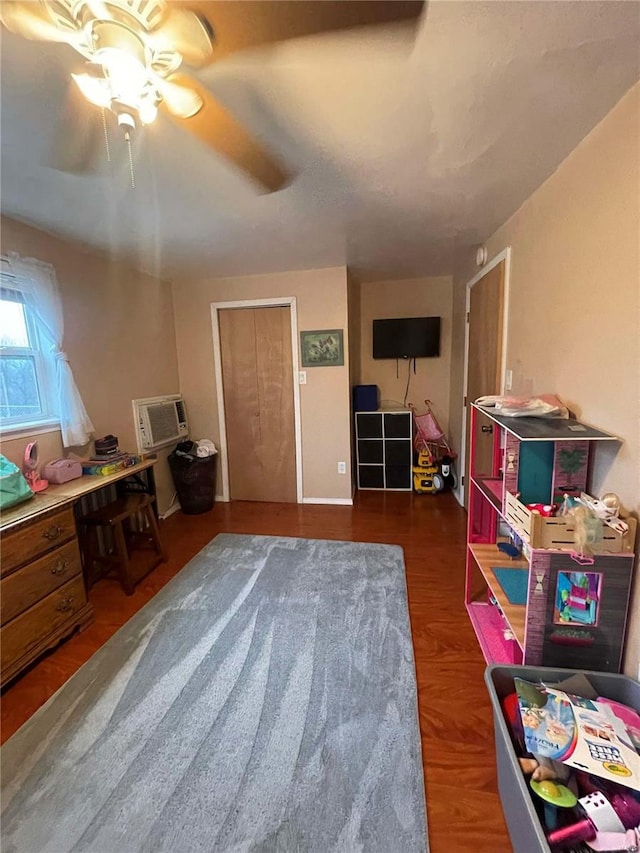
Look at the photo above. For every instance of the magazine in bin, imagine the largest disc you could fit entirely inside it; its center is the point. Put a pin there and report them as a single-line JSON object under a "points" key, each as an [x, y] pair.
{"points": [[582, 733]]}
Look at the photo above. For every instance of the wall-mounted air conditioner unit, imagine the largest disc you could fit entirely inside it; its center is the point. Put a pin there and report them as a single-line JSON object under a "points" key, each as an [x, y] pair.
{"points": [[160, 421]]}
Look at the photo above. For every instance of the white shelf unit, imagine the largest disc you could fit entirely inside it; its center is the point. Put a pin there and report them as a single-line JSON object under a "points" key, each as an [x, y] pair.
{"points": [[384, 449]]}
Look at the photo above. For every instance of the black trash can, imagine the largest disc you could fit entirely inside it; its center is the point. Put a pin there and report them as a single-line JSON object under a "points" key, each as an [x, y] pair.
{"points": [[195, 481]]}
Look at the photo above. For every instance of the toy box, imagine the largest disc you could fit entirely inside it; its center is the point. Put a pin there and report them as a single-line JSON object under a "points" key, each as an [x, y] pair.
{"points": [[525, 829]]}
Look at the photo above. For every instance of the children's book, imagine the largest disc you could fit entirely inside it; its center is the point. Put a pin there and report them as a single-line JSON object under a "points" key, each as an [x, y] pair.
{"points": [[582, 733]]}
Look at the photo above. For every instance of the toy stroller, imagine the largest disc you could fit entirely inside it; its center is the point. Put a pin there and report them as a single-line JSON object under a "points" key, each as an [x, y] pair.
{"points": [[434, 470], [429, 436]]}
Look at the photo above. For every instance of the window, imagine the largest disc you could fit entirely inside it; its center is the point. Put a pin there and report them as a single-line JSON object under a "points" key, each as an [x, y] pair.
{"points": [[25, 372], [36, 381]]}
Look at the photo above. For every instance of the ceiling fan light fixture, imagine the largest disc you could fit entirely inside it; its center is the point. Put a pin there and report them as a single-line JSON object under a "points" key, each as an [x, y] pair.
{"points": [[148, 111], [95, 89], [126, 75]]}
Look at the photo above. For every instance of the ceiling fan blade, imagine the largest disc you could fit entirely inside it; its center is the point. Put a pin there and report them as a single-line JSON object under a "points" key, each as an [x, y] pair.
{"points": [[244, 24], [79, 143], [218, 129], [181, 101], [185, 31], [31, 20]]}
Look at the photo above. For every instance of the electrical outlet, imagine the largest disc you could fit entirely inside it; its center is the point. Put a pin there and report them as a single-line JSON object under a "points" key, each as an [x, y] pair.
{"points": [[508, 380], [342, 467], [302, 377]]}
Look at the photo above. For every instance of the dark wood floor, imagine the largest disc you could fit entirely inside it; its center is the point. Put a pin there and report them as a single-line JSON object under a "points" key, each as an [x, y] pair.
{"points": [[464, 812]]}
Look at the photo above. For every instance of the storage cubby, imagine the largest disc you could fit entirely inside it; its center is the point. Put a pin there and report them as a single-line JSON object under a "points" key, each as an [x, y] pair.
{"points": [[546, 607], [384, 450]]}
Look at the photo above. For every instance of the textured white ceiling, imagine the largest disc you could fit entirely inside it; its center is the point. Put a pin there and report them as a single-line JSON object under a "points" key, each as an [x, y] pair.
{"points": [[402, 151]]}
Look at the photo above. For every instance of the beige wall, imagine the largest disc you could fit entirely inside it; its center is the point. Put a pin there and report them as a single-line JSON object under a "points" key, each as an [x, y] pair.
{"points": [[420, 297], [119, 336], [574, 318], [321, 299], [354, 290]]}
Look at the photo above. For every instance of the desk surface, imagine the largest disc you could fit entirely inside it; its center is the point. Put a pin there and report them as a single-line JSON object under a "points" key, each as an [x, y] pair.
{"points": [[66, 493]]}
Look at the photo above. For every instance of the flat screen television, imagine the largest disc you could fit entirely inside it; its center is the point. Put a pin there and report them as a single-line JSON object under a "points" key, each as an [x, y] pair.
{"points": [[407, 337]]}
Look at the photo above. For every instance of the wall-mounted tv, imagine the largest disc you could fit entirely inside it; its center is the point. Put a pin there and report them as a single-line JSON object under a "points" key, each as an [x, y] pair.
{"points": [[407, 337]]}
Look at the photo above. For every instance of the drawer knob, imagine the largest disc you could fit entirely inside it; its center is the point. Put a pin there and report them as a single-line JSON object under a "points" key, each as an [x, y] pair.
{"points": [[65, 605], [53, 532], [60, 567]]}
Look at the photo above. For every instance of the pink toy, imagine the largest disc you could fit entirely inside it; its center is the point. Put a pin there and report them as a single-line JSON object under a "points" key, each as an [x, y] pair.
{"points": [[608, 841], [615, 812], [30, 468]]}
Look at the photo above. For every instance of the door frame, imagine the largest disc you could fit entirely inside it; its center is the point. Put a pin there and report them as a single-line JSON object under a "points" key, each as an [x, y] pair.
{"points": [[276, 302], [504, 255]]}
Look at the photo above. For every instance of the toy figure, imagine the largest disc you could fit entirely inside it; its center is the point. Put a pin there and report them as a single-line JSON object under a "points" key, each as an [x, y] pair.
{"points": [[447, 472]]}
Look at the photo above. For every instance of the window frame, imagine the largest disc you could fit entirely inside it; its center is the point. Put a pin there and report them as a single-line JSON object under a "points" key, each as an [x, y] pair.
{"points": [[43, 364]]}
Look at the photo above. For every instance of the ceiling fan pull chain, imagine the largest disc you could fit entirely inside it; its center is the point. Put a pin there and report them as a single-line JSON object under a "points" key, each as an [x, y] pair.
{"points": [[106, 135], [127, 136]]}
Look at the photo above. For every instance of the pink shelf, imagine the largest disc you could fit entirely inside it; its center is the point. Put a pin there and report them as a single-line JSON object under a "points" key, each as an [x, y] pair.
{"points": [[492, 490], [490, 627]]}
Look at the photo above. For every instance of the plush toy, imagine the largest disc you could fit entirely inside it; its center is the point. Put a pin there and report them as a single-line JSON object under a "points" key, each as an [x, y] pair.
{"points": [[446, 469]]}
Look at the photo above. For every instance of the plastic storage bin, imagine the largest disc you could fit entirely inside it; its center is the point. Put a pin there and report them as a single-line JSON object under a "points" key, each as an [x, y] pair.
{"points": [[366, 398], [525, 830], [195, 481]]}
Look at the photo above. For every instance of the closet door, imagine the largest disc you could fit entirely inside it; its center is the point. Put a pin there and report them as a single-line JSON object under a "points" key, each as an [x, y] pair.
{"points": [[257, 376], [486, 306]]}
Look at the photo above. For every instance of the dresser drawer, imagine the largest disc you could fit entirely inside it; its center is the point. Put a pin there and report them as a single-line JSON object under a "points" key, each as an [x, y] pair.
{"points": [[24, 587], [35, 538], [34, 625]]}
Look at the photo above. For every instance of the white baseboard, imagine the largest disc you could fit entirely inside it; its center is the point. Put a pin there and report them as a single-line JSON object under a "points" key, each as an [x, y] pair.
{"points": [[333, 501], [170, 511], [220, 499]]}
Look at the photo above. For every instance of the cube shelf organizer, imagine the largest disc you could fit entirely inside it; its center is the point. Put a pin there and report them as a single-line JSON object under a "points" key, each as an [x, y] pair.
{"points": [[384, 449], [546, 606]]}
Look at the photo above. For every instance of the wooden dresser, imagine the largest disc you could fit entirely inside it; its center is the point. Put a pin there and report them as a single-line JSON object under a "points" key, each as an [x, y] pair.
{"points": [[42, 591]]}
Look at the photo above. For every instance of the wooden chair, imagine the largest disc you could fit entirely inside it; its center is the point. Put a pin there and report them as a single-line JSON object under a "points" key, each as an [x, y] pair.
{"points": [[116, 517]]}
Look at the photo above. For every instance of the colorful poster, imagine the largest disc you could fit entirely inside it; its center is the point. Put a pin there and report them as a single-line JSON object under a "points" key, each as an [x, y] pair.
{"points": [[582, 733]]}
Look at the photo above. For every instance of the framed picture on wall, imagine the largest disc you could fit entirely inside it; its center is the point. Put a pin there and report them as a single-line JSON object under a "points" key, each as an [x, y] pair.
{"points": [[323, 348]]}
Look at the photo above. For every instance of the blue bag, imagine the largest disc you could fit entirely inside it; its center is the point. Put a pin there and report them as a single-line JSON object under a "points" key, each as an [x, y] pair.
{"points": [[13, 487]]}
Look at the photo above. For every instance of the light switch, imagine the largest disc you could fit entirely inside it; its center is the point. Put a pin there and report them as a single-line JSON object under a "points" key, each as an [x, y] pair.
{"points": [[508, 380], [302, 377]]}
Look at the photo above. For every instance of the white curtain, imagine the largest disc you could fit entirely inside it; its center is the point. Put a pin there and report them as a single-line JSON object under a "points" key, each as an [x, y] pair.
{"points": [[39, 285]]}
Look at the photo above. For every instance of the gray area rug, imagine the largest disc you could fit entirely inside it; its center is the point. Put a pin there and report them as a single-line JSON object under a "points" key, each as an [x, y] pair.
{"points": [[264, 700]]}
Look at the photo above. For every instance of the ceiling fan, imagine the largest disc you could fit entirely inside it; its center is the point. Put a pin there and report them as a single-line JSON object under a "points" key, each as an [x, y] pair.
{"points": [[135, 53]]}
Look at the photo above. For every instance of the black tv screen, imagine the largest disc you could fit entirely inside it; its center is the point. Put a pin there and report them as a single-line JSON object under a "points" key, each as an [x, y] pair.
{"points": [[408, 337]]}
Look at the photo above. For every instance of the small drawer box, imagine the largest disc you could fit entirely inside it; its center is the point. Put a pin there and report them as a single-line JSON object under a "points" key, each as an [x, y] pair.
{"points": [[62, 470]]}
